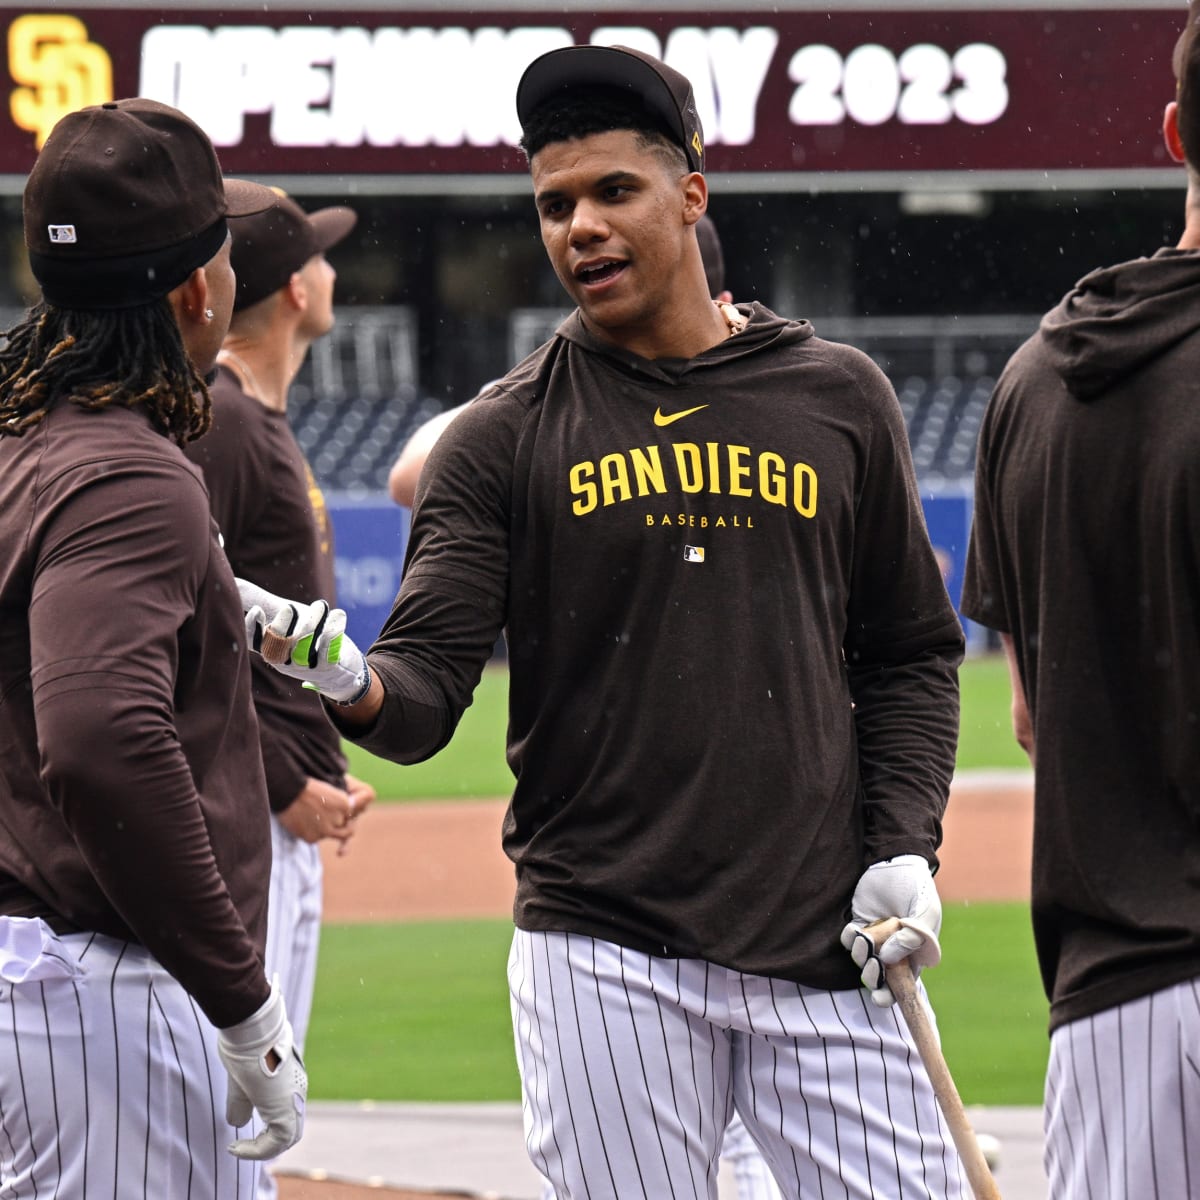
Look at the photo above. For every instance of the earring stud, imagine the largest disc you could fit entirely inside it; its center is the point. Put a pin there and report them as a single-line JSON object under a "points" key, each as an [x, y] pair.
{"points": [[208, 314]]}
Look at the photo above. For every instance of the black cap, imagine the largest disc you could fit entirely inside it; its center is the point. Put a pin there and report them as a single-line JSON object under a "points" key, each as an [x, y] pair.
{"points": [[124, 202], [269, 246], [664, 91]]}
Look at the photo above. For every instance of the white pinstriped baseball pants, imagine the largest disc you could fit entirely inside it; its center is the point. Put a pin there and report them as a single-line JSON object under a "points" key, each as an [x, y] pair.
{"points": [[293, 936], [752, 1179], [1123, 1101], [631, 1066], [110, 1084]]}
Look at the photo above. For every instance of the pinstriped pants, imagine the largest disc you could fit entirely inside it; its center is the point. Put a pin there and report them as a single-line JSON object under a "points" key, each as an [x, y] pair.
{"points": [[632, 1064], [1123, 1101], [293, 934], [110, 1084]]}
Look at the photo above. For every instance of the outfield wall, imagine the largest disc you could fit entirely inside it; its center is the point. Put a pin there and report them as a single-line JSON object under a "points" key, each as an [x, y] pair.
{"points": [[371, 535]]}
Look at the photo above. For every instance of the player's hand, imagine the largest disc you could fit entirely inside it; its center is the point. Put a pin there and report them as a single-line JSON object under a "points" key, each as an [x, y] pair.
{"points": [[306, 641], [321, 811], [901, 887], [361, 795], [267, 1075]]}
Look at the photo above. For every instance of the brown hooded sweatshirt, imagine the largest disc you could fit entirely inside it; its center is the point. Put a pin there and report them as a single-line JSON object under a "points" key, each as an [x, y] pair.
{"points": [[1086, 549], [732, 657]]}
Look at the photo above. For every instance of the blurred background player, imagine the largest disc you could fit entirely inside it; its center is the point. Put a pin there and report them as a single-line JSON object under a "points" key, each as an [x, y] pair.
{"points": [[733, 703], [276, 531], [133, 809], [402, 479], [750, 1172], [1085, 555]]}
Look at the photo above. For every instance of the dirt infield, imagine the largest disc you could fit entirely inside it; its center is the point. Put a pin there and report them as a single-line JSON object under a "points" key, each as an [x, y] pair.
{"points": [[443, 859]]}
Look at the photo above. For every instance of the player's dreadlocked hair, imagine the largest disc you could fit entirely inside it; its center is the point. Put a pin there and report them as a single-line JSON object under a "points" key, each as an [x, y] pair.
{"points": [[133, 357]]}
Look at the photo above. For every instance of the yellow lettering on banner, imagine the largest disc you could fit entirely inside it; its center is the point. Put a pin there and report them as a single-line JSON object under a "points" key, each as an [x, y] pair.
{"points": [[60, 69]]}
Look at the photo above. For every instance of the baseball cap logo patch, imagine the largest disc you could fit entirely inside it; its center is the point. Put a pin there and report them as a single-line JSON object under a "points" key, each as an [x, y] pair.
{"points": [[61, 234]]}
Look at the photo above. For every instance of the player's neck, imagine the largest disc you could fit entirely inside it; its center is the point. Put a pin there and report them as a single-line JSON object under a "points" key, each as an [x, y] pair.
{"points": [[685, 335], [264, 369]]}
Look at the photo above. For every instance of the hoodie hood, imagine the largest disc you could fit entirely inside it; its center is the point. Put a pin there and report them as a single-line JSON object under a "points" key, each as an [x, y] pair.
{"points": [[763, 328], [1117, 318]]}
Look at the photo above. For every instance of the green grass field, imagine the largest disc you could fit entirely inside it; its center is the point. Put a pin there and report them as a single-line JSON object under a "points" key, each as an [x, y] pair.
{"points": [[419, 1011]]}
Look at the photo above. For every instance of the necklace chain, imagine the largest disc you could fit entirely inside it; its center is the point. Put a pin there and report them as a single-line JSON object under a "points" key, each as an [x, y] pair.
{"points": [[734, 320]]}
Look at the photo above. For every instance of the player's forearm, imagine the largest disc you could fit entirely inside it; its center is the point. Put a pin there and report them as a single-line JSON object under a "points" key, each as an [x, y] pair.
{"points": [[401, 718], [906, 721]]}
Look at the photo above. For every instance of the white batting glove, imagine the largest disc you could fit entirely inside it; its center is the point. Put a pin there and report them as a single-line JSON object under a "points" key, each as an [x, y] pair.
{"points": [[278, 1094], [901, 887], [309, 642]]}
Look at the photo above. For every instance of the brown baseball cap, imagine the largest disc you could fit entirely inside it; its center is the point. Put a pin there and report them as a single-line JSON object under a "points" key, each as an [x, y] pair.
{"points": [[664, 91], [125, 200], [269, 246]]}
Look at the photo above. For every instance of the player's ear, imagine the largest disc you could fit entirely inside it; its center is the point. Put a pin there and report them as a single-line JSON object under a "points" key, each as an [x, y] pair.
{"points": [[189, 300], [695, 197], [1171, 136], [296, 292]]}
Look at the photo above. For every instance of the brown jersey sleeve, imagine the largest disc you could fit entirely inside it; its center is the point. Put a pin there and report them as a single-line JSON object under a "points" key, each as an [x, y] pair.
{"points": [[121, 615]]}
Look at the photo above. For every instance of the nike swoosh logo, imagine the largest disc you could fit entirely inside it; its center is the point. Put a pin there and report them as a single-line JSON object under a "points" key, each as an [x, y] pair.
{"points": [[660, 419]]}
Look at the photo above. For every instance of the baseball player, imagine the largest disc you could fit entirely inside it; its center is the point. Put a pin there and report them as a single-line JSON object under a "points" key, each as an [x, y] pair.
{"points": [[1085, 554], [138, 1029], [733, 696], [275, 528], [752, 1178]]}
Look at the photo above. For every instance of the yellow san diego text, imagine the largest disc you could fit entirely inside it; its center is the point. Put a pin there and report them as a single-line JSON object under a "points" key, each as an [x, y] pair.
{"points": [[690, 468]]}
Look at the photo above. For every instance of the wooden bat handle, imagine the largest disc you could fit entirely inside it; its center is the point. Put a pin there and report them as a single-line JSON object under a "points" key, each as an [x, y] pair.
{"points": [[904, 987]]}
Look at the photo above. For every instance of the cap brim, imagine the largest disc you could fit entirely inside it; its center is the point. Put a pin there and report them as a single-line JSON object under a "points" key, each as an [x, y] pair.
{"points": [[330, 225], [593, 66], [244, 199]]}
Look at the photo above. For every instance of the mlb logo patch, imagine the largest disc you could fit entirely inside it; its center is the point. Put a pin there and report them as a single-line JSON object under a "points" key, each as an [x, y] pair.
{"points": [[62, 235], [693, 554]]}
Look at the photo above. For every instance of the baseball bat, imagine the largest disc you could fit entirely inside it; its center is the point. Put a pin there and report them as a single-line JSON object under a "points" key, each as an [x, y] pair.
{"points": [[904, 987]]}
